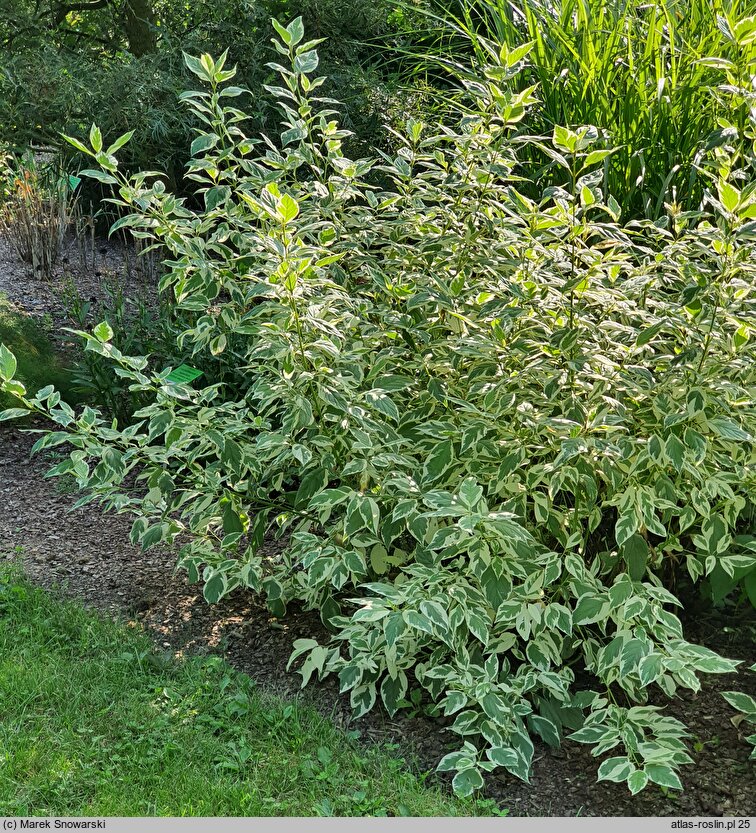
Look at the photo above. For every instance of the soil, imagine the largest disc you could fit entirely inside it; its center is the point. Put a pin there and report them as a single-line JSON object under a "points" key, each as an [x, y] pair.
{"points": [[88, 555], [91, 275]]}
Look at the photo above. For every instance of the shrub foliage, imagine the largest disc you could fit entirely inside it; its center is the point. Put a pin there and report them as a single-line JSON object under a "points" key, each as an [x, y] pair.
{"points": [[487, 427]]}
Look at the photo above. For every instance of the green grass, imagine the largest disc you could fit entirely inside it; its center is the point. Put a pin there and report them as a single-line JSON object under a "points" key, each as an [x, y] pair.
{"points": [[94, 722], [639, 70], [38, 362]]}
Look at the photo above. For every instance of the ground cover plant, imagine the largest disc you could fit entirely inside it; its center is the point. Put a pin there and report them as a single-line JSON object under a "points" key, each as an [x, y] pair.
{"points": [[746, 706], [493, 430], [97, 722], [38, 360]]}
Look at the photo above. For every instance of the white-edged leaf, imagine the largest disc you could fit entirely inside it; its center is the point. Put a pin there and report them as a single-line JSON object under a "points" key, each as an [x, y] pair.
{"points": [[615, 769], [467, 781]]}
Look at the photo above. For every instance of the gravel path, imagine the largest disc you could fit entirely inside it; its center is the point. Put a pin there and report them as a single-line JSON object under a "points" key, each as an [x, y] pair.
{"points": [[113, 265]]}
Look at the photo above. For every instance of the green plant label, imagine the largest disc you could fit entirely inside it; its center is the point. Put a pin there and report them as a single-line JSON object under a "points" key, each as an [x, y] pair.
{"points": [[184, 375]]}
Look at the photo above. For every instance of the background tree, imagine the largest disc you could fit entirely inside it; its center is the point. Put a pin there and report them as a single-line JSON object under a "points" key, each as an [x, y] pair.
{"points": [[109, 24]]}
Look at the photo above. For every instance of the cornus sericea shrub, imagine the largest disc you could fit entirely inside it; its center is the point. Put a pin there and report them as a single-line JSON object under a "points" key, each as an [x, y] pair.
{"points": [[487, 428], [746, 707]]}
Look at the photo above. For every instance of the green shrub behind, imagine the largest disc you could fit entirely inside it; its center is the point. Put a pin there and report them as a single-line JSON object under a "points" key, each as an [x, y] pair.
{"points": [[54, 83]]}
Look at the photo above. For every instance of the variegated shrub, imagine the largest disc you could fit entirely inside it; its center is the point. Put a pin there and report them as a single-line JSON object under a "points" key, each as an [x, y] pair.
{"points": [[488, 430]]}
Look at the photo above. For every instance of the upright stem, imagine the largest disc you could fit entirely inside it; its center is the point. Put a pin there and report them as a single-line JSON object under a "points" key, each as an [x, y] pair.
{"points": [[298, 326], [721, 278]]}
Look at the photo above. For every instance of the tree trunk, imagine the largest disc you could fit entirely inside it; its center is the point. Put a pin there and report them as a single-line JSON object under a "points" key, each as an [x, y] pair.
{"points": [[139, 26]]}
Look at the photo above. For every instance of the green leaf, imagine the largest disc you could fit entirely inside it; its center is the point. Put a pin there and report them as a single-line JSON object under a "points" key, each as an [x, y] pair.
{"points": [[393, 382], [370, 513], [615, 769], [393, 628], [714, 534], [296, 31], [729, 196], [383, 403], [306, 62], [80, 146], [663, 775], [287, 208], [478, 625], [349, 677], [675, 450], [13, 413], [632, 653], [119, 143], [416, 620], [95, 138], [214, 588], [209, 66], [283, 33], [300, 646], [586, 197], [100, 176], [502, 756], [363, 699], [597, 156], [495, 708], [537, 656], [195, 66], [232, 455], [588, 734], [564, 139], [393, 691], [650, 668], [729, 430], [436, 614], [627, 525], [203, 143], [380, 563], [589, 609], [614, 208], [316, 662], [620, 591], [8, 364], [546, 729], [103, 332], [645, 336], [316, 480], [467, 781], [635, 553], [216, 196], [460, 759], [438, 462], [742, 702], [637, 781], [231, 520]]}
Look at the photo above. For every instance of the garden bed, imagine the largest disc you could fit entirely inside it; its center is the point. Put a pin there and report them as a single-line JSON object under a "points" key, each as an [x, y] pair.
{"points": [[90, 556], [497, 385]]}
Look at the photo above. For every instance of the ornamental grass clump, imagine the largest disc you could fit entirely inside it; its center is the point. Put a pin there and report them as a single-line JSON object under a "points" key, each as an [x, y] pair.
{"points": [[488, 428], [646, 74], [35, 212]]}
